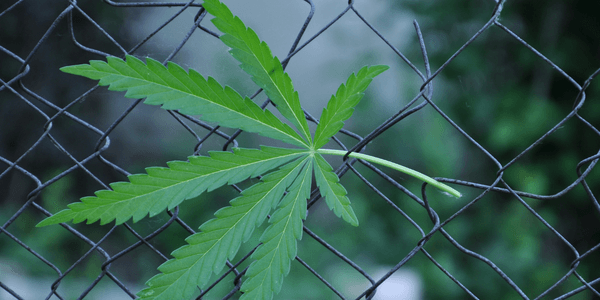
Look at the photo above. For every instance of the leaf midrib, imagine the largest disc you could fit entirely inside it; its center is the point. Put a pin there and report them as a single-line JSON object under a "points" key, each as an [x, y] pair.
{"points": [[165, 84], [287, 102], [195, 178], [235, 224], [284, 230]]}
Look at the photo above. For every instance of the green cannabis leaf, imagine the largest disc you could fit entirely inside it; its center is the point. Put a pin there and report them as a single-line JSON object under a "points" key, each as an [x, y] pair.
{"points": [[286, 179], [256, 59]]}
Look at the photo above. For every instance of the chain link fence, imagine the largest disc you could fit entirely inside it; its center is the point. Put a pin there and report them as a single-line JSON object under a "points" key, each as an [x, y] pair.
{"points": [[506, 238]]}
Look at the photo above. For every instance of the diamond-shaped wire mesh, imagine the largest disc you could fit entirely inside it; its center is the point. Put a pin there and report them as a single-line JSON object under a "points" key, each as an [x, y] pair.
{"points": [[511, 235]]}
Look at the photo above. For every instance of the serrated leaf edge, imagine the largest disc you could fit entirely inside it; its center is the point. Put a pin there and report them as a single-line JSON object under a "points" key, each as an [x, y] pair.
{"points": [[292, 168], [341, 105], [118, 74], [75, 211], [279, 246], [281, 91], [338, 202]]}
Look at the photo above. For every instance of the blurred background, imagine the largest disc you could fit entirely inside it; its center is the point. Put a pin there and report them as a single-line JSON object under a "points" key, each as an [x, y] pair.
{"points": [[503, 95]]}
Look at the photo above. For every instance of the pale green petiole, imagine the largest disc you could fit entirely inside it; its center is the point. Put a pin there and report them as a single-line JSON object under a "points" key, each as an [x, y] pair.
{"points": [[395, 166]]}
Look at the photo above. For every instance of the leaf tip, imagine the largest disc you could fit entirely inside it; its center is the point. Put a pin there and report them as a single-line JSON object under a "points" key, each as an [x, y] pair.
{"points": [[60, 217], [74, 69], [66, 69], [378, 69], [42, 224]]}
